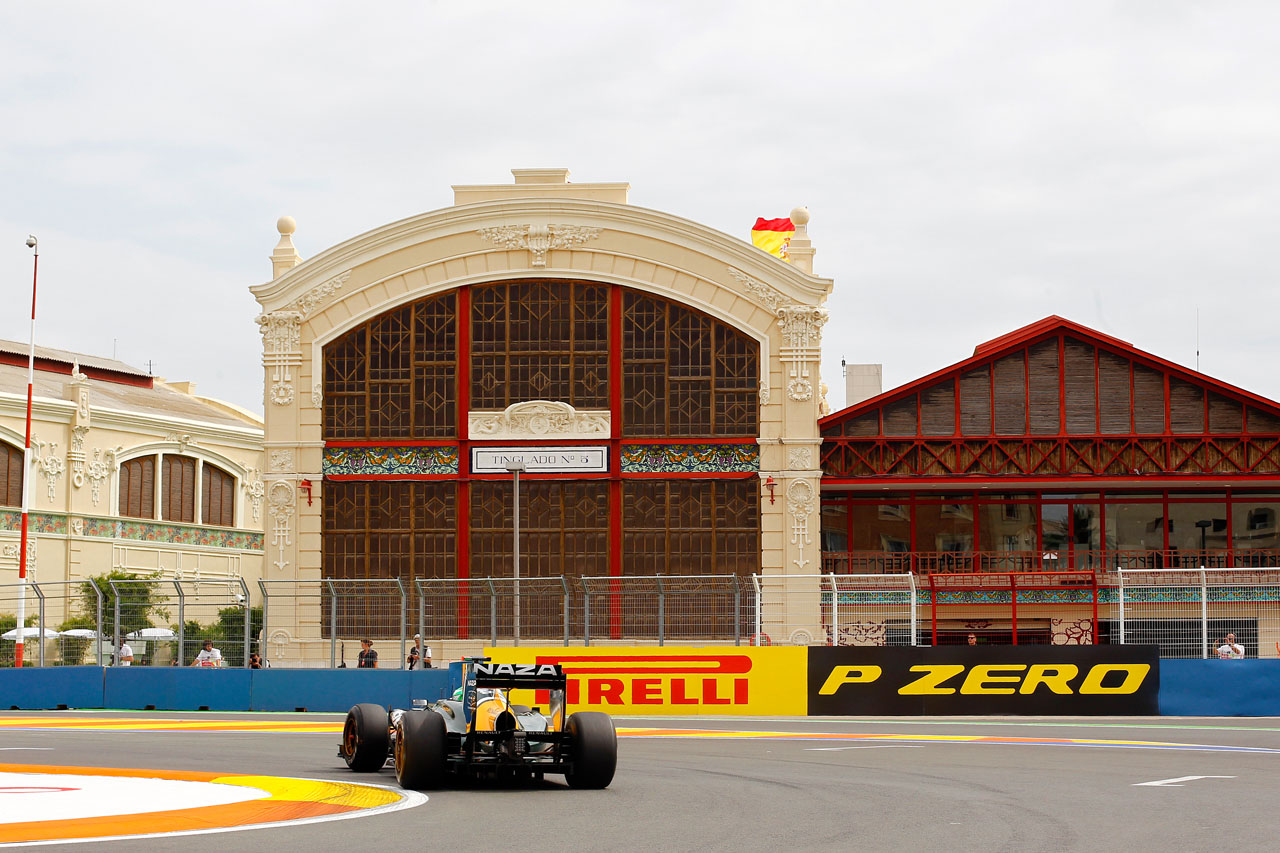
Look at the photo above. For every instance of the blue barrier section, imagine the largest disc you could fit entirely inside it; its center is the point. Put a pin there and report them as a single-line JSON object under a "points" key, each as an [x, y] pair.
{"points": [[328, 689], [172, 688], [1220, 688], [43, 688]]}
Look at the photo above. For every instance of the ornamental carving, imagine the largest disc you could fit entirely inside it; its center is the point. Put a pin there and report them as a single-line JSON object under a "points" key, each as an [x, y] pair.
{"points": [[281, 333], [280, 499], [801, 326], [254, 490], [50, 464], [764, 393], [539, 239], [76, 456], [99, 469], [800, 506], [318, 295], [799, 389], [281, 460], [771, 299], [538, 419], [799, 458]]}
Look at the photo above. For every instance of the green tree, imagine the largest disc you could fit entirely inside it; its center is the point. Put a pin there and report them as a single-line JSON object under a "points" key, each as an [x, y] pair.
{"points": [[74, 649], [140, 602]]}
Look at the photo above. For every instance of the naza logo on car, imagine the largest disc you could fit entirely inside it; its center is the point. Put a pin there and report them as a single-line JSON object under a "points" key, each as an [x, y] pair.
{"points": [[656, 679]]}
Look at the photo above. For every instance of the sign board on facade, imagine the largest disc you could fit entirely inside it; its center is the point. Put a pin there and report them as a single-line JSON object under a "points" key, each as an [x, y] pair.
{"points": [[540, 460]]}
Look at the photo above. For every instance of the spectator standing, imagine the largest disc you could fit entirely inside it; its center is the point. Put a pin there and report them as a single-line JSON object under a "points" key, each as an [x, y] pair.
{"points": [[420, 653], [973, 639], [1230, 649], [208, 656], [125, 656], [368, 657]]}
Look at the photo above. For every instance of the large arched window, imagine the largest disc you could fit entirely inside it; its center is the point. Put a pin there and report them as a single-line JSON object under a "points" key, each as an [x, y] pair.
{"points": [[10, 475], [178, 490]]}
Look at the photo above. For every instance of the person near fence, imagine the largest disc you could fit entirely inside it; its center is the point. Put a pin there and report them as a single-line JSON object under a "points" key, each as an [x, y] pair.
{"points": [[124, 657], [973, 639], [419, 655], [368, 657], [1229, 649], [208, 656]]}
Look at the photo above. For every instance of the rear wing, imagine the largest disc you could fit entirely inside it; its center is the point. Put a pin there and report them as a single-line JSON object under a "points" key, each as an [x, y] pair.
{"points": [[484, 674]]}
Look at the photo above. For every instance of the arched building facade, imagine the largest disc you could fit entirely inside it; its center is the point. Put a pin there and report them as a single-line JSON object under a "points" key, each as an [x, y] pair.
{"points": [[651, 376]]}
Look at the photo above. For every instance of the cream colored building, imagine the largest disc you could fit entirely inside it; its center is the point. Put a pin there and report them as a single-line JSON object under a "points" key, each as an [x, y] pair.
{"points": [[93, 419], [398, 369]]}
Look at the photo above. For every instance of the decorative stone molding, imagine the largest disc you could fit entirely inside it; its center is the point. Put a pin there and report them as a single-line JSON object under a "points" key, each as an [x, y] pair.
{"points": [[318, 295], [280, 460], [801, 347], [76, 456], [539, 239], [281, 500], [764, 393], [103, 464], [771, 299], [799, 459], [50, 464], [317, 395], [254, 490], [281, 333], [181, 439], [77, 527], [540, 419], [800, 505], [10, 552]]}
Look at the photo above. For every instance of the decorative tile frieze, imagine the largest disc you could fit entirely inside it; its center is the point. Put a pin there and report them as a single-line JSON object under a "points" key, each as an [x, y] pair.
{"points": [[389, 461], [54, 524], [690, 458]]}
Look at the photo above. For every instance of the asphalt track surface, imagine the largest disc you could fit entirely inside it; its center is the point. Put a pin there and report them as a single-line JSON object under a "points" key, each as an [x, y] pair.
{"points": [[989, 784]]}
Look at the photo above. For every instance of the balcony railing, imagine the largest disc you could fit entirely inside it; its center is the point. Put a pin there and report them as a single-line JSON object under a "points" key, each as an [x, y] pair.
{"points": [[946, 562]]}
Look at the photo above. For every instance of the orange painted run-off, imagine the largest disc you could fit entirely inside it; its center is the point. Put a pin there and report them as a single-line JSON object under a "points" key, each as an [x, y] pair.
{"points": [[290, 799]]}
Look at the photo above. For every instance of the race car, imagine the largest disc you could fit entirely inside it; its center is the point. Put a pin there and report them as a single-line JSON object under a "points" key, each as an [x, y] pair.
{"points": [[480, 733]]}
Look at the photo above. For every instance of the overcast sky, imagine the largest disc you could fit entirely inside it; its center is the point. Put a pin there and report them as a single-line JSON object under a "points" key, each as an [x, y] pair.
{"points": [[970, 167]]}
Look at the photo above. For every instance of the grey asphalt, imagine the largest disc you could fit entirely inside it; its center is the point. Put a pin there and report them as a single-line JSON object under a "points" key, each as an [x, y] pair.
{"points": [[770, 795]]}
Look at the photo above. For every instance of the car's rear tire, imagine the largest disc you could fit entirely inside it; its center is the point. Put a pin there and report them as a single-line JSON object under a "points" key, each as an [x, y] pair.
{"points": [[365, 738], [420, 750], [593, 749]]}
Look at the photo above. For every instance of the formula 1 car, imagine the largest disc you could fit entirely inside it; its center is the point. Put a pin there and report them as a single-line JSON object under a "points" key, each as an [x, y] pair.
{"points": [[479, 733]]}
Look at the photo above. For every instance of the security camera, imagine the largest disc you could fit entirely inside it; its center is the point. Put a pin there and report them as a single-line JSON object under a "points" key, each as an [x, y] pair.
{"points": [[31, 241]]}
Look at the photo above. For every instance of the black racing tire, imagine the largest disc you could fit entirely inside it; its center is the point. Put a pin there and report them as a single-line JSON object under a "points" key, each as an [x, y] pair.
{"points": [[366, 738], [593, 750], [421, 761]]}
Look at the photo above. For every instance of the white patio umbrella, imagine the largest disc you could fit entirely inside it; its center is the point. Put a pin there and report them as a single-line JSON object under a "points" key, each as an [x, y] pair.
{"points": [[33, 631], [84, 633], [151, 634]]}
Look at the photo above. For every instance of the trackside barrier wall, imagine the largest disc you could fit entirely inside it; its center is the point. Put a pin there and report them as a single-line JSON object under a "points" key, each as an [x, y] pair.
{"points": [[187, 689], [688, 681]]}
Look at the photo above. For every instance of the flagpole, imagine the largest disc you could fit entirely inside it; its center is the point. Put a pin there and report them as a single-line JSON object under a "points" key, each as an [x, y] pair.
{"points": [[34, 245]]}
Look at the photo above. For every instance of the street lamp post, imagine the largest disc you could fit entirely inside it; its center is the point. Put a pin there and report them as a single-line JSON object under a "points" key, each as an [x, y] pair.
{"points": [[34, 245], [515, 468]]}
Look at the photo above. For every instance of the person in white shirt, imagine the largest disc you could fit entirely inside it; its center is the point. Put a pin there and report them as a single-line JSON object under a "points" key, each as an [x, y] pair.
{"points": [[209, 656], [419, 655], [125, 656], [1230, 649]]}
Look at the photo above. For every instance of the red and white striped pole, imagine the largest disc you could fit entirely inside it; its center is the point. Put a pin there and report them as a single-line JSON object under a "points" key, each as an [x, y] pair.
{"points": [[34, 245]]}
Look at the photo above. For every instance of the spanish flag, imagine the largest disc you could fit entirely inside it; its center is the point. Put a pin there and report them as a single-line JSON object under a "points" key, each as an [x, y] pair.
{"points": [[774, 236]]}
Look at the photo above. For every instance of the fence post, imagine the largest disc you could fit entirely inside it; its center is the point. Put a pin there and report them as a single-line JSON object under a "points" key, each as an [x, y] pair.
{"points": [[1120, 592], [116, 637], [40, 596], [493, 613], [333, 626], [662, 612], [586, 613], [911, 580], [262, 643], [182, 622], [1204, 614], [755, 582], [97, 616], [404, 619], [422, 610], [835, 610], [248, 610], [737, 611], [564, 585]]}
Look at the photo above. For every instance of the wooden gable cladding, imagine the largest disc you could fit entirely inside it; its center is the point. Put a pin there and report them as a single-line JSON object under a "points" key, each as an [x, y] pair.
{"points": [[1058, 401]]}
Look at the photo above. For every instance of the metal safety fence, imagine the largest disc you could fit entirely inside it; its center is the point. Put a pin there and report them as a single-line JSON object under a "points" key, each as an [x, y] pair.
{"points": [[1187, 613]]}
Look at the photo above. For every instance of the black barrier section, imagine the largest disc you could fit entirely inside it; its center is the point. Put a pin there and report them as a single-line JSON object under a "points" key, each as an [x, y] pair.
{"points": [[1055, 680]]}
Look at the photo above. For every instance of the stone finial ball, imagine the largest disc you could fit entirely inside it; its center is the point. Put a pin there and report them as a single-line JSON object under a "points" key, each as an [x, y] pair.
{"points": [[800, 216], [286, 225]]}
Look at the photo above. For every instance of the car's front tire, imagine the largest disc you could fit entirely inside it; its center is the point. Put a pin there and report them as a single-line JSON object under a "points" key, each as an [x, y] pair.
{"points": [[420, 750], [593, 748], [365, 738]]}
